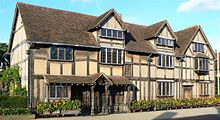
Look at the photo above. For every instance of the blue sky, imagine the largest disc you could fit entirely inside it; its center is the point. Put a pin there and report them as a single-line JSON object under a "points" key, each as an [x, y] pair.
{"points": [[179, 13]]}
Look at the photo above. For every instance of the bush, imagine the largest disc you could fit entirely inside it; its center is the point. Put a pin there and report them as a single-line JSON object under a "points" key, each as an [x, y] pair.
{"points": [[14, 111], [162, 104], [19, 91], [13, 102], [57, 105]]}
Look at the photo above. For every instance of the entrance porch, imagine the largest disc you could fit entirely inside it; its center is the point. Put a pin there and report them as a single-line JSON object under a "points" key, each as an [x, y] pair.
{"points": [[98, 93]]}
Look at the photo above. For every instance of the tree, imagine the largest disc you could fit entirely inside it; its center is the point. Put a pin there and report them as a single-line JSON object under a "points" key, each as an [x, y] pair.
{"points": [[10, 77], [3, 49]]}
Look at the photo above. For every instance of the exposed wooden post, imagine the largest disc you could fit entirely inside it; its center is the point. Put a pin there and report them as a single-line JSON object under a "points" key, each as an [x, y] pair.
{"points": [[129, 99], [149, 60], [92, 100], [106, 99]]}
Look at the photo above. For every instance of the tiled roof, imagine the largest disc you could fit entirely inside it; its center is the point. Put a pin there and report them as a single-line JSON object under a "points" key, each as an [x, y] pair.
{"points": [[90, 79], [152, 30], [56, 26], [184, 38], [47, 25]]}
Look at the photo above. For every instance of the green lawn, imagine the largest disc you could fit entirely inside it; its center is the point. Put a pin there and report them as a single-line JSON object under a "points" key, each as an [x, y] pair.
{"points": [[17, 117]]}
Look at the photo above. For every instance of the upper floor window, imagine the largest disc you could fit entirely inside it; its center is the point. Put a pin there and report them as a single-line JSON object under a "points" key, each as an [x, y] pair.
{"points": [[165, 60], [165, 42], [111, 56], [201, 64], [199, 47], [61, 53], [104, 32]]}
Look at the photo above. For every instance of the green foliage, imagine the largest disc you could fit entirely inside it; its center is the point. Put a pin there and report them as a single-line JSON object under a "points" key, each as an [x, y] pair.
{"points": [[19, 91], [3, 49], [13, 102], [11, 78], [161, 104], [14, 111], [57, 105], [11, 75]]}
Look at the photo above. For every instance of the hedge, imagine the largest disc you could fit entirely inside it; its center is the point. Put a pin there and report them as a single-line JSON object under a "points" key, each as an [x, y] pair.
{"points": [[13, 102], [14, 111]]}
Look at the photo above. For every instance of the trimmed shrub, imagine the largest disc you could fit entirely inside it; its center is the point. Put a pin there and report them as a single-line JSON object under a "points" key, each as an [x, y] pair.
{"points": [[14, 111], [13, 102]]}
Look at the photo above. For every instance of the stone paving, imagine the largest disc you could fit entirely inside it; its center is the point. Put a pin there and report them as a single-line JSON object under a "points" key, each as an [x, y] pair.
{"points": [[211, 113]]}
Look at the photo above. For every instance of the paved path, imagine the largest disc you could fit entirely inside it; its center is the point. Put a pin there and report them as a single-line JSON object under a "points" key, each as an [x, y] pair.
{"points": [[212, 113]]}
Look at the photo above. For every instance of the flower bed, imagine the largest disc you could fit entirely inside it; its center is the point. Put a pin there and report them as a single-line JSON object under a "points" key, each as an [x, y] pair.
{"points": [[164, 104], [57, 108]]}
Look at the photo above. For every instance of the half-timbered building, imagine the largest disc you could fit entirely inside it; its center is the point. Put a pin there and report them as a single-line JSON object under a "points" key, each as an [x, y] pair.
{"points": [[106, 62]]}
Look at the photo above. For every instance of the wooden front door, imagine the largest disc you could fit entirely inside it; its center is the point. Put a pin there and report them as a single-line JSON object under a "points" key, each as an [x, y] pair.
{"points": [[99, 99], [188, 92]]}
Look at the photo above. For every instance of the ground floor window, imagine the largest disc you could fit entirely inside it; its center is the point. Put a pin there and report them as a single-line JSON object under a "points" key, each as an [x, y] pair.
{"points": [[204, 88], [58, 91], [165, 87]]}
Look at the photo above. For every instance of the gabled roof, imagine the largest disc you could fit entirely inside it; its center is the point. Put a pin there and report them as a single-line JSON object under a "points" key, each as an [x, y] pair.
{"points": [[135, 39], [102, 18], [56, 26], [185, 38], [153, 30], [52, 26]]}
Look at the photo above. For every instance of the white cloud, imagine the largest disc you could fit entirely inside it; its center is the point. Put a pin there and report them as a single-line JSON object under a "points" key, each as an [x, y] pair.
{"points": [[199, 5], [84, 1]]}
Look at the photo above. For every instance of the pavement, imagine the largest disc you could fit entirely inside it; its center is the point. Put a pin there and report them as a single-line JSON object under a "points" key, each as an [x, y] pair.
{"points": [[210, 113]]}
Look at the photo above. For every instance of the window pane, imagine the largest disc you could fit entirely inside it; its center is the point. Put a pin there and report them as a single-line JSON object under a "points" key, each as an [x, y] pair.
{"points": [[163, 60], [159, 88], [167, 60], [115, 33], [196, 63], [59, 91], [164, 88], [114, 56], [103, 55], [109, 32], [65, 91], [52, 90], [119, 56], [61, 53], [69, 55], [109, 56], [120, 34], [103, 32], [53, 52], [171, 61], [159, 60]]}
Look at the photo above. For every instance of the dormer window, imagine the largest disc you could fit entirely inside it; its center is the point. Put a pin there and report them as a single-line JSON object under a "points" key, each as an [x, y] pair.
{"points": [[199, 47], [111, 33], [165, 42]]}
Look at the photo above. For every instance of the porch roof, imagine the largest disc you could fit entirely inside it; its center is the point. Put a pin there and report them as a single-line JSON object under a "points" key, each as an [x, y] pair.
{"points": [[90, 79]]}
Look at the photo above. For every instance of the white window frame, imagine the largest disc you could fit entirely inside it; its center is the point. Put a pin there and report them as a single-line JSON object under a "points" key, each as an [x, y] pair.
{"points": [[170, 58], [171, 86], [58, 48], [202, 88], [117, 53], [198, 64], [107, 28]]}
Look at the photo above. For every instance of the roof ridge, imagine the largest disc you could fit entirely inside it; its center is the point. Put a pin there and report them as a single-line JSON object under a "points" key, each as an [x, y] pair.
{"points": [[56, 9], [189, 27]]}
